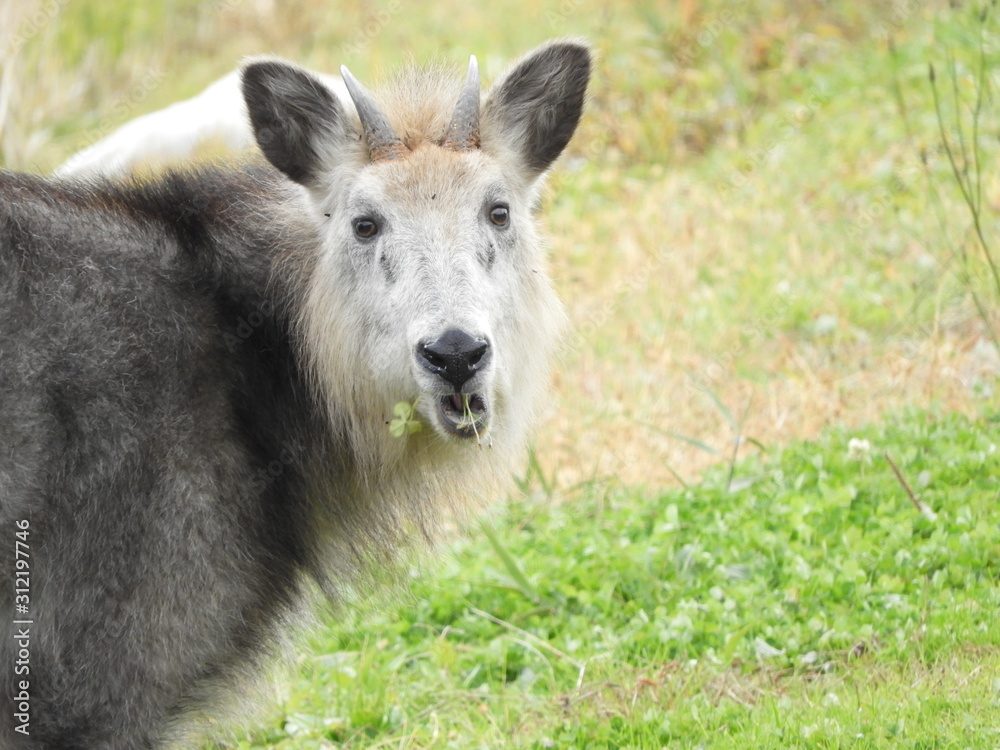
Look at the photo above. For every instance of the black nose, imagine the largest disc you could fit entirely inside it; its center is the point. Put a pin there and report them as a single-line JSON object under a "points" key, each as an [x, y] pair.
{"points": [[455, 356]]}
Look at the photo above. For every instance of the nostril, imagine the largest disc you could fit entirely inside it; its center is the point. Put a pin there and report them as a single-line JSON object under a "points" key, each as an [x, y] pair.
{"points": [[431, 357], [476, 355]]}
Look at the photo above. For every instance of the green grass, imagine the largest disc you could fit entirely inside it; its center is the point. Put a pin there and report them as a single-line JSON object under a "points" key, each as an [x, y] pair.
{"points": [[814, 607]]}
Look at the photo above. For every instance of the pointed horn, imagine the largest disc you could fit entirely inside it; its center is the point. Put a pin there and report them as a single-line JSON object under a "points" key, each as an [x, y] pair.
{"points": [[462, 133], [383, 143]]}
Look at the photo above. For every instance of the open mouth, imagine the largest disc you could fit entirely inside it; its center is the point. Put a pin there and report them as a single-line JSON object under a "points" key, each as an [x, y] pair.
{"points": [[464, 415]]}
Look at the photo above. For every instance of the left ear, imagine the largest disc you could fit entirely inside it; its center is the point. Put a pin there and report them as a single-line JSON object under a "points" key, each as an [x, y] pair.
{"points": [[296, 119], [535, 108]]}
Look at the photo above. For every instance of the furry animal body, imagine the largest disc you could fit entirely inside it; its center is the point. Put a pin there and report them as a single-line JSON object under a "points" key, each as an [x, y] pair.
{"points": [[197, 372]]}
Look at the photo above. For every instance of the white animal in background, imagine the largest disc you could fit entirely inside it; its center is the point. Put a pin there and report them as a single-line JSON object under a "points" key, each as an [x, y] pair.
{"points": [[171, 134]]}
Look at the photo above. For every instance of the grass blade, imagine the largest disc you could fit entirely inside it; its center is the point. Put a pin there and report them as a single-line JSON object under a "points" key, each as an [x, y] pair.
{"points": [[521, 581], [677, 436]]}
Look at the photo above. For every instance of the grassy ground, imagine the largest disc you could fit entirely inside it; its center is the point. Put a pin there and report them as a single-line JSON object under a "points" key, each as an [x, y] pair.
{"points": [[804, 601], [760, 242]]}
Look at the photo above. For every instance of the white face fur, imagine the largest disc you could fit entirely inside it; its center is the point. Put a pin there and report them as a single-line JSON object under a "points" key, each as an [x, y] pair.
{"points": [[431, 284], [436, 243]]}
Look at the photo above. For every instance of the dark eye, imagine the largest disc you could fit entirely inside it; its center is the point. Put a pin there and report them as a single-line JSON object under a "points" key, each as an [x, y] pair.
{"points": [[365, 229], [500, 215]]}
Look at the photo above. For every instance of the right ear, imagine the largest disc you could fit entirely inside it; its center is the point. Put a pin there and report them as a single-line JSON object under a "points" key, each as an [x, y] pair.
{"points": [[534, 110], [295, 117]]}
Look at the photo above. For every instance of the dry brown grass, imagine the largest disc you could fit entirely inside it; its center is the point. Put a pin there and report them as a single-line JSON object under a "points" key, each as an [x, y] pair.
{"points": [[635, 359]]}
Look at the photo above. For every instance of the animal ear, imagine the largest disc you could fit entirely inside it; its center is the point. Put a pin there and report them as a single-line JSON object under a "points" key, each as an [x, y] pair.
{"points": [[295, 118], [535, 108]]}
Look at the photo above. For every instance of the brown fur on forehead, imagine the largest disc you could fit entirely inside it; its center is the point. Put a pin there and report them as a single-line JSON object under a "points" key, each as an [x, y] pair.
{"points": [[419, 103], [433, 173]]}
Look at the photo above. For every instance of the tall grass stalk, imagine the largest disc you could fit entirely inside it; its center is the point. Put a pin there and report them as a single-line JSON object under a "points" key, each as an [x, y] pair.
{"points": [[964, 157]]}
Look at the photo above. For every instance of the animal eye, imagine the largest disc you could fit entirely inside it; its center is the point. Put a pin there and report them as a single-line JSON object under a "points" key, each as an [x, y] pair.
{"points": [[500, 215], [365, 229]]}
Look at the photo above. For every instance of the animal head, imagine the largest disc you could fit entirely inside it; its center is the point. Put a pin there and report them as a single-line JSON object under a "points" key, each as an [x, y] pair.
{"points": [[430, 285]]}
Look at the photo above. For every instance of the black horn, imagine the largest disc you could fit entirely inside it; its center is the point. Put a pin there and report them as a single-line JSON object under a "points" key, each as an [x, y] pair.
{"points": [[462, 133], [383, 143]]}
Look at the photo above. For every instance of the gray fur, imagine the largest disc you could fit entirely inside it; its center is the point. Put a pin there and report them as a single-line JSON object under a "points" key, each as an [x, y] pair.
{"points": [[196, 375]]}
